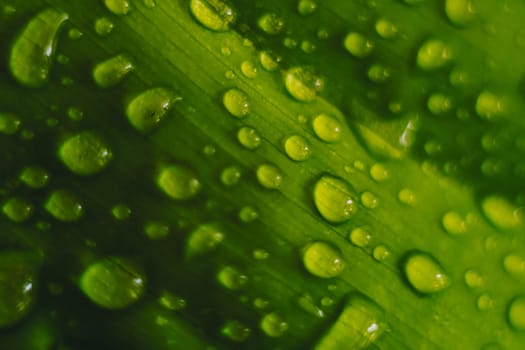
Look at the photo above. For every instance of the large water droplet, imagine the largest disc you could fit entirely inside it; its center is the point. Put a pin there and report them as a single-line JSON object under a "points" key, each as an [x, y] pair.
{"points": [[302, 83], [322, 259], [203, 239], [64, 206], [215, 15], [17, 209], [358, 45], [146, 110], [359, 325], [500, 212], [327, 128], [269, 176], [424, 273], [236, 102], [516, 313], [271, 23], [433, 54], [273, 325], [111, 71], [179, 182], [334, 199], [113, 282], [459, 12], [297, 148], [85, 153], [32, 52]]}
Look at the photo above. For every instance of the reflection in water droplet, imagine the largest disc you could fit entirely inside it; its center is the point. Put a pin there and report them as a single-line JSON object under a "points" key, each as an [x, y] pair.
{"points": [[271, 23], [459, 12], [236, 331], [516, 313], [501, 213], [231, 278], [297, 148], [104, 26], [17, 209]]}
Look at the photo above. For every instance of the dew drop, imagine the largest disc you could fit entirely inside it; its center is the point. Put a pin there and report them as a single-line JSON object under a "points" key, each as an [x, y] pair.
{"points": [[236, 103], [113, 282], [118, 7], [386, 29], [17, 209], [360, 237], [516, 313], [306, 302], [179, 182], [327, 128], [33, 50], [306, 7], [149, 3], [215, 15], [307, 46], [334, 199], [248, 214], [269, 176], [489, 106], [379, 172], [454, 224], [85, 153], [235, 331], [231, 175], [34, 177], [111, 71], [75, 113], [156, 230], [514, 264], [203, 239], [63, 205], [104, 26], [358, 45], [171, 301], [485, 302], [369, 200], [271, 23], [147, 109], [297, 148], [231, 278], [474, 279], [273, 325], [438, 104], [249, 69], [424, 273], [249, 137], [269, 60], [9, 123], [378, 73], [358, 326], [501, 213], [433, 54], [74, 34], [459, 12], [121, 212], [381, 253], [322, 259], [302, 83]]}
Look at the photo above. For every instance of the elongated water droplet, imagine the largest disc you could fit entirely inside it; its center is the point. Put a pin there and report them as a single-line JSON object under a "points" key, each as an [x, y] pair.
{"points": [[424, 273], [459, 12], [334, 199], [33, 50], [85, 153], [203, 239], [359, 325], [179, 182], [297, 148], [516, 313], [381, 252], [379, 172], [249, 137], [273, 325], [17, 209], [501, 213], [433, 54], [9, 123], [269, 176], [231, 278], [358, 45], [215, 15], [111, 71], [146, 110], [236, 331], [118, 7], [406, 196], [236, 102], [327, 128], [64, 206], [34, 177], [113, 282], [271, 23], [322, 259], [302, 83], [306, 303]]}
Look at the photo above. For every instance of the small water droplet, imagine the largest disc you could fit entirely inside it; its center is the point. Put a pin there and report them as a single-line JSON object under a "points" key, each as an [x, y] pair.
{"points": [[269, 176], [306, 7], [111, 71], [516, 313], [209, 150], [260, 303], [302, 83], [358, 45], [360, 237], [433, 54], [17, 209], [306, 302], [236, 103], [249, 137], [113, 282], [381, 253], [269, 60], [121, 212], [34, 177], [474, 279], [514, 264], [231, 278], [33, 50], [489, 106], [297, 148], [118, 7], [171, 301], [248, 214], [149, 3], [9, 123], [231, 175], [453, 223], [378, 73], [307, 46], [235, 331], [104, 26], [501, 213], [322, 259], [215, 15], [74, 34], [147, 109], [485, 302], [203, 239], [260, 254], [179, 182], [379, 172], [249, 69], [327, 128], [369, 200], [424, 273], [406, 196], [271, 23], [438, 104], [156, 230], [64, 206], [459, 12], [273, 325], [386, 29], [334, 199], [85, 153]]}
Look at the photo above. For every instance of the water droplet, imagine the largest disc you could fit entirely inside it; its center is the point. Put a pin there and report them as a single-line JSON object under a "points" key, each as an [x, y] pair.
{"points": [[260, 303], [146, 110], [379, 172], [156, 229], [514, 264], [358, 45], [85, 153], [121, 212], [439, 104], [271, 23], [249, 137], [297, 148], [104, 26], [236, 331], [64, 206], [171, 301], [215, 15], [149, 3], [334, 199], [459, 12], [386, 29], [118, 7], [322, 259], [424, 273], [306, 7], [231, 175], [381, 252], [378, 73], [369, 200], [501, 213], [249, 69], [269, 176], [17, 209], [179, 182], [302, 83], [32, 53], [485, 302], [9, 123], [260, 254], [236, 102], [307, 46], [17, 286], [111, 71], [489, 105], [34, 177], [75, 113], [113, 282], [474, 279], [306, 302], [433, 54], [209, 150], [360, 237], [74, 34], [269, 60], [203, 239], [273, 325], [231, 278], [516, 313], [358, 326], [248, 214], [327, 128], [406, 196], [453, 223]]}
